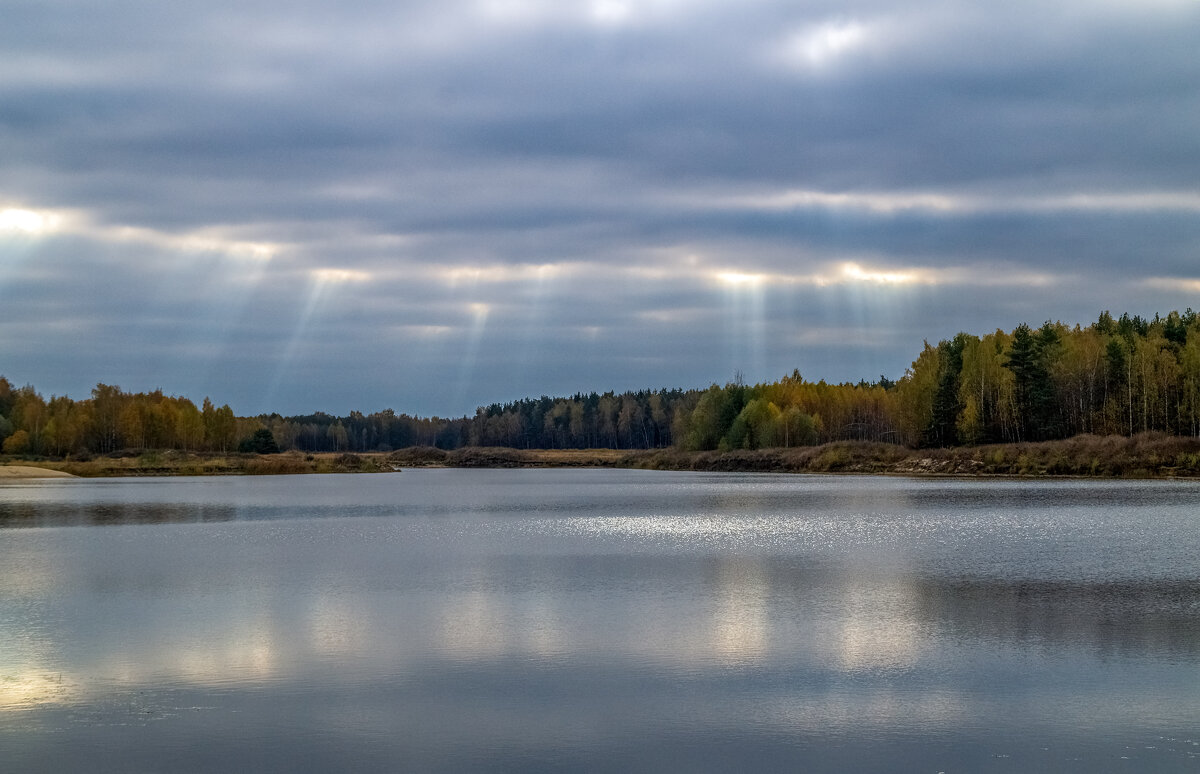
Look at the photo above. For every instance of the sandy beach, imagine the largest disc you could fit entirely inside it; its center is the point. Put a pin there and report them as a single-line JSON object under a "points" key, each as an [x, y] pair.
{"points": [[27, 471]]}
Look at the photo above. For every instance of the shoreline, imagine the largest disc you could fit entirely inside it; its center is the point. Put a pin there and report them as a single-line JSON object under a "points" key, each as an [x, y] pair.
{"points": [[1149, 455], [26, 472]]}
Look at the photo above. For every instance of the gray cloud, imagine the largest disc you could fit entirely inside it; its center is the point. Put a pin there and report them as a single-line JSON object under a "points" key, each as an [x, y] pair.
{"points": [[476, 201]]}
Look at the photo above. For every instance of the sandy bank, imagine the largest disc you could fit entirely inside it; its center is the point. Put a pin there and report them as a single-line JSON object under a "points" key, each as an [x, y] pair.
{"points": [[27, 471]]}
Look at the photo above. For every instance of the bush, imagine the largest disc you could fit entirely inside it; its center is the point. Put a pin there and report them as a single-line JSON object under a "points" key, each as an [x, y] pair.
{"points": [[832, 458], [348, 461], [150, 459], [1188, 461], [418, 455]]}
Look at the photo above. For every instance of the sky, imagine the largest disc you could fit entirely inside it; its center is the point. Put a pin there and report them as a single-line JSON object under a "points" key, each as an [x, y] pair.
{"points": [[431, 206]]}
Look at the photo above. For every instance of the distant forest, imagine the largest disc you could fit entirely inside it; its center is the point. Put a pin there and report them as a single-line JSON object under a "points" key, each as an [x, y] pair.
{"points": [[1114, 377]]}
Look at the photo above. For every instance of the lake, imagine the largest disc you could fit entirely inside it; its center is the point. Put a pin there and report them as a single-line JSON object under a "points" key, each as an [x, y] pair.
{"points": [[599, 620]]}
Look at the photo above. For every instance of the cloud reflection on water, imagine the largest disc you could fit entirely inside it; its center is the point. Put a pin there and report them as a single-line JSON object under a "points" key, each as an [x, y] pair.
{"points": [[685, 617], [725, 613]]}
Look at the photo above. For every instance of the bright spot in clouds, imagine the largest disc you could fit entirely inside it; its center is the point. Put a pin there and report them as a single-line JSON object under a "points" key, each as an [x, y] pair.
{"points": [[338, 276], [852, 271], [82, 223], [738, 279], [822, 44], [1186, 284], [877, 202], [845, 274], [599, 13], [611, 11], [27, 221], [498, 274], [948, 203]]}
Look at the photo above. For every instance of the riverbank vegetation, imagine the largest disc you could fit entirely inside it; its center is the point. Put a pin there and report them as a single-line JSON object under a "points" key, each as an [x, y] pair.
{"points": [[1146, 455], [1103, 386], [177, 463]]}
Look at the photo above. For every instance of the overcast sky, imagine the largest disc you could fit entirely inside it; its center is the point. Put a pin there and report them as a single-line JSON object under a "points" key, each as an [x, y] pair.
{"points": [[433, 205]]}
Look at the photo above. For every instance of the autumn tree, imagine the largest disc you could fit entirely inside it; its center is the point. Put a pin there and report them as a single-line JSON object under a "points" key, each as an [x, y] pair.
{"points": [[17, 443]]}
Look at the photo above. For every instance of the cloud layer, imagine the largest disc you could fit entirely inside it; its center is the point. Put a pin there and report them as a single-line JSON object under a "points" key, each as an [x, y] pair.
{"points": [[435, 205]]}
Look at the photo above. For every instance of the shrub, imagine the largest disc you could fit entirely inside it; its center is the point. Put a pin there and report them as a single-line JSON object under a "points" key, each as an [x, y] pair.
{"points": [[418, 455], [1188, 461], [832, 458]]}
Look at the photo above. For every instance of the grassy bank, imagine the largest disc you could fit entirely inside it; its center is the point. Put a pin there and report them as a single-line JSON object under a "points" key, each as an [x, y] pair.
{"points": [[499, 457], [1142, 456], [1149, 455], [174, 463]]}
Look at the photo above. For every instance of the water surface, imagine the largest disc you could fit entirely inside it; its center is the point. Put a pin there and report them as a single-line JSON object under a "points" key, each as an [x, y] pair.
{"points": [[598, 620]]}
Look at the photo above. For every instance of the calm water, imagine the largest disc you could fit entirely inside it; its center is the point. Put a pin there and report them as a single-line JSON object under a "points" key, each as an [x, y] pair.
{"points": [[545, 620]]}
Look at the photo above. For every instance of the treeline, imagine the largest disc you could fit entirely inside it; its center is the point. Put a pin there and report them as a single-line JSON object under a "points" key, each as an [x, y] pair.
{"points": [[633, 420], [790, 412], [1114, 377], [111, 420]]}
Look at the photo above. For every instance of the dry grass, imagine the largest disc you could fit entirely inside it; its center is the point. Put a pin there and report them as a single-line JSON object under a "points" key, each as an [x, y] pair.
{"points": [[1146, 455], [30, 471], [1142, 456], [174, 463], [502, 457]]}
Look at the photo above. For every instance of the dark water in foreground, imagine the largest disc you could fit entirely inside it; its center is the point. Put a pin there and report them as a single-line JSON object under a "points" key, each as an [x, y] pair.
{"points": [[544, 620]]}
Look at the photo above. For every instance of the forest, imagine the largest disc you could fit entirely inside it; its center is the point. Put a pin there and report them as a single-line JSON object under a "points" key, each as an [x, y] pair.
{"points": [[1116, 376]]}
